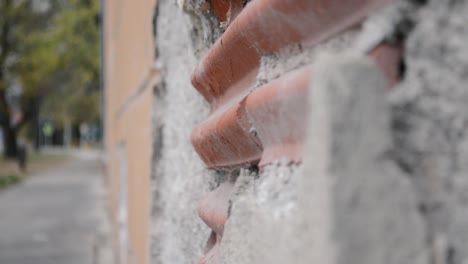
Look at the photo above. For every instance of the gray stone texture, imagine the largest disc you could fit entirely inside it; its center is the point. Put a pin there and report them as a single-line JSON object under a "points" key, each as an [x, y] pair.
{"points": [[348, 202], [262, 215], [179, 179], [430, 125], [372, 209], [384, 178]]}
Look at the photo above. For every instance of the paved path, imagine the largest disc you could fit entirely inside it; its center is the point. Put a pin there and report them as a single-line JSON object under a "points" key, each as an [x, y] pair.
{"points": [[55, 217]]}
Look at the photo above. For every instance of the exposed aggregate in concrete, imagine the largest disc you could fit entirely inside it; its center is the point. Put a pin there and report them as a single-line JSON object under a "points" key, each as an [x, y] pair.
{"points": [[402, 197], [373, 208], [179, 178], [297, 55], [262, 207], [430, 124]]}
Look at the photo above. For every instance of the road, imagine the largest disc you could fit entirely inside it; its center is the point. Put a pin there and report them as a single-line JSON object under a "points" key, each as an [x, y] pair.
{"points": [[56, 216]]}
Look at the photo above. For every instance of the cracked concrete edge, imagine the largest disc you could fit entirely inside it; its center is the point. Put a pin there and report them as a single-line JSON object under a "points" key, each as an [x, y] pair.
{"points": [[351, 188], [344, 196]]}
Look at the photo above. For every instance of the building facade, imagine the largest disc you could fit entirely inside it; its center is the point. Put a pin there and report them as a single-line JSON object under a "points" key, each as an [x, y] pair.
{"points": [[128, 72]]}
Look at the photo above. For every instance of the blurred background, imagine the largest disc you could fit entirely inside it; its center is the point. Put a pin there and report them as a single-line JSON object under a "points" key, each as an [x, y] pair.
{"points": [[50, 131], [49, 78]]}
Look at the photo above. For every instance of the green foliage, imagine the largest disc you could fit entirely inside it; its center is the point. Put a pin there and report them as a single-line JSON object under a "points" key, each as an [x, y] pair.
{"points": [[6, 180], [55, 56], [65, 64], [75, 107]]}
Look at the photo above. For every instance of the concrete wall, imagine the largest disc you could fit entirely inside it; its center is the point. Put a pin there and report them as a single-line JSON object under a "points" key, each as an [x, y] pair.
{"points": [[381, 177], [280, 131], [179, 178]]}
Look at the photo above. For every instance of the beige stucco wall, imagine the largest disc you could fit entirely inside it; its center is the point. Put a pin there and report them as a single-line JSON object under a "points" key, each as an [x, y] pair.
{"points": [[128, 60]]}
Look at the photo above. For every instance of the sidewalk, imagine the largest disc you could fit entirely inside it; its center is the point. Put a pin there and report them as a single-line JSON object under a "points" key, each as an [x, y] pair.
{"points": [[56, 216]]}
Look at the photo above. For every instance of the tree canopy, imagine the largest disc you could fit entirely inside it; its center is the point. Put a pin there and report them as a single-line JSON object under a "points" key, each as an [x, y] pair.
{"points": [[51, 48]]}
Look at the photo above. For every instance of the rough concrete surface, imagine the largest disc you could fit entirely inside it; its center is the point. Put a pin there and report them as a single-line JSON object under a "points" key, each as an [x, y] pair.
{"points": [[56, 217], [262, 213], [298, 55], [179, 177], [384, 177], [348, 202], [430, 124], [374, 216]]}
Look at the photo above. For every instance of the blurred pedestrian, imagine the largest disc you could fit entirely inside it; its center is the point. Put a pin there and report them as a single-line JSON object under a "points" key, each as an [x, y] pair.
{"points": [[22, 155]]}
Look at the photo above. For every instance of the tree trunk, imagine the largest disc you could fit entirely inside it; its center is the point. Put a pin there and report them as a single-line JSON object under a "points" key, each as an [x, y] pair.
{"points": [[10, 143], [36, 132]]}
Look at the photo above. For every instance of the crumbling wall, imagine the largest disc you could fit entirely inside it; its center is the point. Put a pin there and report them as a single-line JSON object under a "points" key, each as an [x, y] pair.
{"points": [[179, 178], [383, 174], [430, 122]]}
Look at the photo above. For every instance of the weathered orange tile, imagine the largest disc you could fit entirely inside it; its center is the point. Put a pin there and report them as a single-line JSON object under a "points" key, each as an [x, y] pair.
{"points": [[267, 124], [213, 210], [227, 10], [277, 111], [264, 27], [388, 58], [224, 140]]}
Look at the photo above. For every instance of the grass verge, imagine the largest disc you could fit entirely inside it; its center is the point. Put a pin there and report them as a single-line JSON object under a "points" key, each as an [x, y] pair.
{"points": [[10, 173]]}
